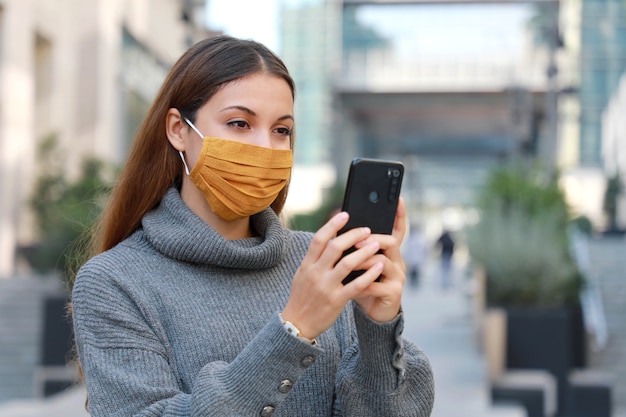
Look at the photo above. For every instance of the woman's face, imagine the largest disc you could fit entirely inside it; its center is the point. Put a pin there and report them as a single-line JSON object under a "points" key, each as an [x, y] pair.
{"points": [[256, 109]]}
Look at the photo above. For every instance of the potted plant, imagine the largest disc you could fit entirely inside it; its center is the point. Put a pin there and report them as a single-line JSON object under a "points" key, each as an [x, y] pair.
{"points": [[521, 244], [63, 210]]}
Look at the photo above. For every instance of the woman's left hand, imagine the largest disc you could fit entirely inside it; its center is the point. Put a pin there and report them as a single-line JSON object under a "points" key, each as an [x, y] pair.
{"points": [[381, 300]]}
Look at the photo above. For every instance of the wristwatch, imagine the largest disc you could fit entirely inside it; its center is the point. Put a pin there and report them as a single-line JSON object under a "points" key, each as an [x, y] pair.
{"points": [[294, 331]]}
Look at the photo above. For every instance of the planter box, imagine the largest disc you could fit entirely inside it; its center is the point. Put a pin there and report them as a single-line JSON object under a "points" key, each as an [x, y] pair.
{"points": [[539, 339], [55, 372], [546, 338]]}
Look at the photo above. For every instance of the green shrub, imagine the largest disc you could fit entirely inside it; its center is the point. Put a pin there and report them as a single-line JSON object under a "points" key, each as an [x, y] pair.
{"points": [[521, 241], [64, 211]]}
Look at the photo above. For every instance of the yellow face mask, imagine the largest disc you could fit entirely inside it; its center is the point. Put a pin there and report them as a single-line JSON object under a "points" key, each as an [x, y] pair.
{"points": [[238, 179]]}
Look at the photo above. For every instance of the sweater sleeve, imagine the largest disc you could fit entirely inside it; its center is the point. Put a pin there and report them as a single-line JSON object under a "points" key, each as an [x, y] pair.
{"points": [[128, 371], [383, 374]]}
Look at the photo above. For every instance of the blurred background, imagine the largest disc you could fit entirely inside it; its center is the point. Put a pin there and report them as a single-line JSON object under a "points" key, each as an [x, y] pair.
{"points": [[508, 116]]}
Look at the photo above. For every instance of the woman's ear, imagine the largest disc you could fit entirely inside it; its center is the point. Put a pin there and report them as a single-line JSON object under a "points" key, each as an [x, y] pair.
{"points": [[175, 128]]}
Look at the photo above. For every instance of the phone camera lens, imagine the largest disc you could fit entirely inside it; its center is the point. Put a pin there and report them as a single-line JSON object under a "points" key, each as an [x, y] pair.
{"points": [[396, 173]]}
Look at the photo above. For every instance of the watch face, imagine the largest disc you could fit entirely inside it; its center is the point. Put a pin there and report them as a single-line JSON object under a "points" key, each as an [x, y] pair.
{"points": [[291, 328]]}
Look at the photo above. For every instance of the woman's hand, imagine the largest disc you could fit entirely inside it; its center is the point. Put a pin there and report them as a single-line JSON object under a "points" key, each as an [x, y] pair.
{"points": [[317, 294]]}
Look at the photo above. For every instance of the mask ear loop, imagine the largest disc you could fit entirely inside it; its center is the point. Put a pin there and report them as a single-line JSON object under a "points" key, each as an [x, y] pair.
{"points": [[184, 163], [195, 129]]}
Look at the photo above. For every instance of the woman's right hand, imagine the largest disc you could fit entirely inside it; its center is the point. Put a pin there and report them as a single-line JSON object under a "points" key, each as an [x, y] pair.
{"points": [[317, 294]]}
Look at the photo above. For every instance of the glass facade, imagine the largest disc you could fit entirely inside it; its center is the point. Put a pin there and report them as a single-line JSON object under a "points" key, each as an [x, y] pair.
{"points": [[602, 63], [308, 47]]}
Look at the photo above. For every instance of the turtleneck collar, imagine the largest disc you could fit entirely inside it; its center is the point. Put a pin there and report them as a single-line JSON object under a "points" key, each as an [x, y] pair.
{"points": [[177, 232]]}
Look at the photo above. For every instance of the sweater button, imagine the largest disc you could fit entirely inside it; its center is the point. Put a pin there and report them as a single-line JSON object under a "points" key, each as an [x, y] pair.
{"points": [[399, 354], [307, 361], [267, 411], [285, 386], [402, 375]]}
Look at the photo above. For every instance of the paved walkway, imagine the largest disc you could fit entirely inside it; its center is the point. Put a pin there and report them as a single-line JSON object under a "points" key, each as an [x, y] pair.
{"points": [[439, 321], [70, 403], [607, 257]]}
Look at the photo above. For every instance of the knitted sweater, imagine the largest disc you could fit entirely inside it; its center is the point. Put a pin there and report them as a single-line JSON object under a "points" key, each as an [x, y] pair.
{"points": [[178, 321]]}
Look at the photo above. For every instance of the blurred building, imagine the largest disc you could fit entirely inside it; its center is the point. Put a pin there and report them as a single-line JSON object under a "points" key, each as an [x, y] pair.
{"points": [[453, 96], [430, 92], [597, 36], [377, 79], [602, 64], [614, 146], [309, 46], [84, 71]]}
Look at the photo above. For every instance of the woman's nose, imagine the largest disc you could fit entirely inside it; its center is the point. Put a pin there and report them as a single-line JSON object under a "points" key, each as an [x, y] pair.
{"points": [[263, 139]]}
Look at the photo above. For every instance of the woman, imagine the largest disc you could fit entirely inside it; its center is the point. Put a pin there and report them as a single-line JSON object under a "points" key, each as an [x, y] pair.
{"points": [[198, 302]]}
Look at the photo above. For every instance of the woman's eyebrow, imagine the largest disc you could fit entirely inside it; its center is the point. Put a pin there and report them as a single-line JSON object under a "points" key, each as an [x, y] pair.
{"points": [[252, 113], [286, 117], [242, 108]]}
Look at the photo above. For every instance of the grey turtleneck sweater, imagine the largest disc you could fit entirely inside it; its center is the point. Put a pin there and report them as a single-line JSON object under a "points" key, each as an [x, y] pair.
{"points": [[178, 321]]}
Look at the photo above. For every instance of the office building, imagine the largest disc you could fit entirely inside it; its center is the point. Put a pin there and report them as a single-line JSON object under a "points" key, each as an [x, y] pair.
{"points": [[83, 71]]}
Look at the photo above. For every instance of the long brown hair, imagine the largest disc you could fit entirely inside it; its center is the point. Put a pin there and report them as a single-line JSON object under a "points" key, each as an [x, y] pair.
{"points": [[153, 165]]}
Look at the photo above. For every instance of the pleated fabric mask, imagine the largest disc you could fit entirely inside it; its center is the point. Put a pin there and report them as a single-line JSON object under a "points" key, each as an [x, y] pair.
{"points": [[238, 179]]}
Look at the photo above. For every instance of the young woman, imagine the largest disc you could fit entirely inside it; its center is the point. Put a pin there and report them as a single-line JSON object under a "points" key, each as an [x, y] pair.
{"points": [[198, 302]]}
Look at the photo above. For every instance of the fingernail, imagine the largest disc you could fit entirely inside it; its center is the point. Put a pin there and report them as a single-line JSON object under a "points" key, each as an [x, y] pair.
{"points": [[342, 216]]}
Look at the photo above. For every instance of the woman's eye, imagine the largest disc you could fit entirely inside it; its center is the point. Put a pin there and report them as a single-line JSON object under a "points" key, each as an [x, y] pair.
{"points": [[239, 124], [283, 131]]}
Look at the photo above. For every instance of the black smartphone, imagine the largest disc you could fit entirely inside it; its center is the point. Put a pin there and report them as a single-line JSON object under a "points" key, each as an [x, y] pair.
{"points": [[371, 197]]}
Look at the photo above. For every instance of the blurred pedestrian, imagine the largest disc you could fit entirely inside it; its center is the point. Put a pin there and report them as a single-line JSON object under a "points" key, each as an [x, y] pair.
{"points": [[446, 251], [198, 301], [415, 252]]}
